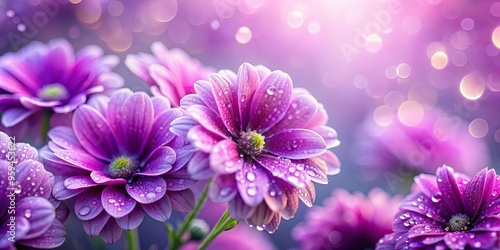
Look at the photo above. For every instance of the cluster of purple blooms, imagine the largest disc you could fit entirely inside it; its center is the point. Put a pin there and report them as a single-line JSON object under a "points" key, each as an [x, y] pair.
{"points": [[117, 155]]}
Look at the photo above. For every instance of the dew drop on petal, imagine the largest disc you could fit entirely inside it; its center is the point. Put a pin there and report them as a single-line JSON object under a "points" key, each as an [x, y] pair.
{"points": [[271, 90], [494, 193], [151, 195], [27, 213], [111, 201], [250, 176], [158, 189], [251, 191], [436, 197], [84, 211]]}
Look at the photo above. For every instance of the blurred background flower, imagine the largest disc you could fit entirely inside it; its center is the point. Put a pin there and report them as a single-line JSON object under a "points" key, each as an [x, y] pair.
{"points": [[362, 59]]}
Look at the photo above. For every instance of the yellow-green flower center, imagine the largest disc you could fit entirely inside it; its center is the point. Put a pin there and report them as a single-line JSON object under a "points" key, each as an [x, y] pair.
{"points": [[251, 143], [53, 92], [458, 223], [122, 167]]}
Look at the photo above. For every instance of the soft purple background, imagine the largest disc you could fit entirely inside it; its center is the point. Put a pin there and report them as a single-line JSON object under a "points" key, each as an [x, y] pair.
{"points": [[354, 56]]}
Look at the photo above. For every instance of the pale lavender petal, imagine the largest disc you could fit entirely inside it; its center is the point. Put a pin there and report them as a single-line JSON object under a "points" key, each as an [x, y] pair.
{"points": [[182, 200], [427, 184], [65, 137], [100, 103], [247, 80], [332, 162], [190, 100], [163, 79], [39, 212], [114, 115], [457, 240], [270, 101], [226, 98], [80, 160], [199, 166], [34, 103], [299, 113], [474, 192], [329, 135], [74, 103], [239, 209], [276, 198], [160, 134], [111, 232], [60, 192], [295, 144], [160, 210], [202, 138], [88, 205], [159, 162], [136, 122], [180, 182], [225, 157], [307, 193], [183, 155], [78, 182], [160, 105], [94, 226], [52, 238], [204, 90], [223, 188], [208, 119], [116, 201], [315, 168], [147, 189], [139, 65], [182, 125], [34, 180], [283, 169], [14, 116], [132, 220], [252, 183], [102, 178], [272, 225]]}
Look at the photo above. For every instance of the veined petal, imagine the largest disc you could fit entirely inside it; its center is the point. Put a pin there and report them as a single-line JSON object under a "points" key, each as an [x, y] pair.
{"points": [[182, 200], [159, 210], [225, 96], [298, 114], [223, 188], [39, 212], [116, 201], [239, 209], [88, 205], [208, 119], [147, 189], [132, 220], [284, 169], [252, 183], [136, 121], [160, 134], [202, 138], [248, 80], [295, 144], [111, 232], [80, 160], [225, 158], [451, 195], [159, 162]]}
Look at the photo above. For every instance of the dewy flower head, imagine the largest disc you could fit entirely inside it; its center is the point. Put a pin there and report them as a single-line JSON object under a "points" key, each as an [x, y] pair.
{"points": [[261, 140], [120, 160], [448, 211], [26, 197], [52, 77], [170, 73], [348, 221]]}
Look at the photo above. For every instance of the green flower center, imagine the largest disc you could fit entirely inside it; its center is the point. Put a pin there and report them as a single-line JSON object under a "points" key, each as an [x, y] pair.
{"points": [[53, 92], [122, 167], [458, 223], [251, 143]]}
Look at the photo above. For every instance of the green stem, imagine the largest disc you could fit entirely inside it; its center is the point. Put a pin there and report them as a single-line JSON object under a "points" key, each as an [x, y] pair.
{"points": [[177, 242], [220, 227], [45, 125], [133, 240]]}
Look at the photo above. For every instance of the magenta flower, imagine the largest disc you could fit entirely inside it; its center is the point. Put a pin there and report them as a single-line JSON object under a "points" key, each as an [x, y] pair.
{"points": [[29, 216], [448, 211], [120, 160], [51, 77], [171, 73], [261, 140], [348, 221]]}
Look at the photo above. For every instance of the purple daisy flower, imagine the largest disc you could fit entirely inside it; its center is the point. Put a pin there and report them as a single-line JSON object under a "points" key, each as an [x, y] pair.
{"points": [[120, 160], [29, 216], [261, 140], [359, 221], [170, 73], [448, 211], [52, 77]]}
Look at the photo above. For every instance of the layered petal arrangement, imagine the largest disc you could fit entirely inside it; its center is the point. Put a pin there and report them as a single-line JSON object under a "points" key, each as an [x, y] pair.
{"points": [[120, 160], [348, 221], [52, 77], [263, 142], [29, 215], [170, 73], [448, 211]]}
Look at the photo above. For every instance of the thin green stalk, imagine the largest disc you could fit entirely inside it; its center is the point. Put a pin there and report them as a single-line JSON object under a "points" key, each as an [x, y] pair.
{"points": [[176, 241], [45, 125], [133, 240], [224, 222]]}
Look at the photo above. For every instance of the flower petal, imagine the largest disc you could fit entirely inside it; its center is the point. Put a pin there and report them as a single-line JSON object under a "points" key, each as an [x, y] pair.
{"points": [[183, 155], [111, 232], [182, 200], [295, 144], [12, 117], [270, 101], [52, 238], [132, 220], [159, 162], [160, 210], [204, 91], [276, 198], [93, 133], [239, 209], [307, 193], [88, 205], [136, 121], [427, 184], [65, 137], [60, 192], [315, 168], [116, 201], [474, 193], [261, 215], [80, 160], [252, 183], [225, 158], [182, 125], [328, 134], [457, 240], [225, 96], [248, 81], [160, 105], [179, 182], [147, 189], [94, 226], [102, 178], [34, 180], [284, 169], [114, 115], [202, 138], [485, 240], [452, 197], [199, 166], [298, 113], [78, 182], [332, 162], [223, 188], [160, 134], [208, 119], [39, 212]]}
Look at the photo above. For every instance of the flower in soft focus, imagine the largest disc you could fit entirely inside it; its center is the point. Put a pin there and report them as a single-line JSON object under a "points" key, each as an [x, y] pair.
{"points": [[52, 77], [348, 221], [448, 211], [120, 160], [261, 140], [171, 73], [28, 215], [437, 139], [241, 236]]}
